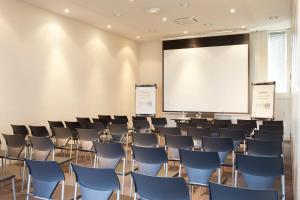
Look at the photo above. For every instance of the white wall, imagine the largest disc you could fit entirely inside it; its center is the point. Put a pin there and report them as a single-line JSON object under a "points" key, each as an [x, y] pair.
{"points": [[55, 68], [295, 120], [150, 59]]}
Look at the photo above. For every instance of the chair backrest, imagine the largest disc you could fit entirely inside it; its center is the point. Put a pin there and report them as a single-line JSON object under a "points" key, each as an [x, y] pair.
{"points": [[39, 131], [169, 131], [223, 192], [73, 126], [273, 123], [120, 119], [150, 160], [102, 121], [99, 126], [53, 124], [110, 154], [223, 122], [85, 122], [197, 134], [199, 165], [42, 147], [86, 138], [62, 136], [263, 147], [20, 130], [46, 175], [96, 183], [199, 122], [118, 131], [167, 188], [259, 172], [145, 140], [246, 128], [237, 135], [214, 128], [139, 118], [268, 135], [159, 122], [14, 144], [141, 125], [183, 126], [221, 145], [271, 127], [175, 142], [107, 118], [252, 122]]}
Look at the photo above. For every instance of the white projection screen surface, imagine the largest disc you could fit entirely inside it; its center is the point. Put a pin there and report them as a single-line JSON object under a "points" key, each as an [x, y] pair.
{"points": [[206, 79]]}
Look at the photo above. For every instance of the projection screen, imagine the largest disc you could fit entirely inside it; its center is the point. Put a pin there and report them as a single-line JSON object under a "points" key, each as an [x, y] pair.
{"points": [[206, 79]]}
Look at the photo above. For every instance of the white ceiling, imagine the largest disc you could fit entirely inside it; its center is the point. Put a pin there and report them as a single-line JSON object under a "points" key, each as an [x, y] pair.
{"points": [[134, 21]]}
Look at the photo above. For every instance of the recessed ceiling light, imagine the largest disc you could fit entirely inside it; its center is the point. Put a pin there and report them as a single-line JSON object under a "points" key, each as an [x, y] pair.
{"points": [[108, 26], [185, 32], [117, 14], [138, 37], [164, 19], [184, 4], [243, 26], [274, 17], [67, 10], [153, 10], [232, 10]]}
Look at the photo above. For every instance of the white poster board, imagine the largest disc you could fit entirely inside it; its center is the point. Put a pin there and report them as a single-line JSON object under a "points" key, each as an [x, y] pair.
{"points": [[145, 100], [263, 97]]}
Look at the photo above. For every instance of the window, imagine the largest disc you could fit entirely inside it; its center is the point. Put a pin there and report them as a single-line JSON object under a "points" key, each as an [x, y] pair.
{"points": [[277, 60]]}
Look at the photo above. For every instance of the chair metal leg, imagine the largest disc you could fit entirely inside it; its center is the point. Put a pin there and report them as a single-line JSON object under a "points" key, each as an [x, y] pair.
{"points": [[123, 175], [23, 175], [233, 168], [179, 173], [283, 187], [235, 178], [191, 192], [62, 190], [75, 191], [134, 196], [131, 181], [13, 188], [219, 175], [118, 195], [28, 187]]}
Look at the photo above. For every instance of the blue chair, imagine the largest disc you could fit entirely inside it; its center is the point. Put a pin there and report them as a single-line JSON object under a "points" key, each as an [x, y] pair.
{"points": [[260, 172], [160, 188], [197, 134], [109, 155], [145, 140], [263, 148], [95, 183], [223, 192], [149, 161], [224, 146], [46, 175], [174, 143], [199, 166], [169, 131]]}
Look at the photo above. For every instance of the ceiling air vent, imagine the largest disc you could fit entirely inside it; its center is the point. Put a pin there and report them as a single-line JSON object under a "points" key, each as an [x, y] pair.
{"points": [[186, 20]]}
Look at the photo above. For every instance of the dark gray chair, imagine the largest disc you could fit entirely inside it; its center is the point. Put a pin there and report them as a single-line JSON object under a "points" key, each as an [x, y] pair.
{"points": [[145, 140], [6, 177], [273, 123], [260, 172], [85, 122], [16, 149], [53, 124], [160, 188], [120, 119], [109, 155], [158, 122], [268, 135], [141, 126], [73, 126], [46, 176], [85, 141], [64, 139], [39, 131], [95, 183], [223, 192], [197, 134], [225, 122], [174, 143], [238, 136], [199, 122], [263, 148], [20, 130]]}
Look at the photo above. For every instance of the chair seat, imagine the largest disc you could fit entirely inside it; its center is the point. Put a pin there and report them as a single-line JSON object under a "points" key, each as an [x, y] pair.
{"points": [[67, 147], [6, 177], [227, 162]]}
